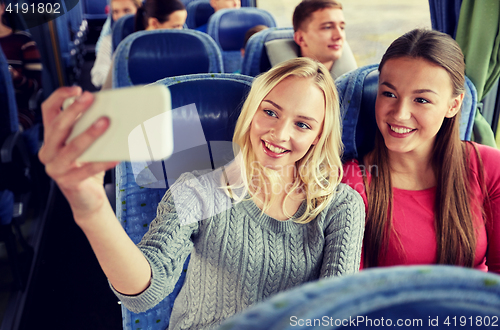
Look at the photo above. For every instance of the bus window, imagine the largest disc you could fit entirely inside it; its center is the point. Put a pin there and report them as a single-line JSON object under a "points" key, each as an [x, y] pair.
{"points": [[371, 25]]}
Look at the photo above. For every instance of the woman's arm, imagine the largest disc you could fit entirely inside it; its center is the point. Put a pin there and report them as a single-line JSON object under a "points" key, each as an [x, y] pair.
{"points": [[344, 234], [82, 185]]}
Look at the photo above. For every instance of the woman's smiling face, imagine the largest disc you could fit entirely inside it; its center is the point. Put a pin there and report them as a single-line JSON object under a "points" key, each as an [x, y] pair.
{"points": [[288, 121], [414, 96]]}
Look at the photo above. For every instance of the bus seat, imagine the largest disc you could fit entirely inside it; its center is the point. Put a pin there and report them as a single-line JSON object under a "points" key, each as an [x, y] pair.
{"points": [[434, 296], [199, 11], [358, 91], [248, 3], [228, 28], [122, 28], [273, 46], [147, 56], [217, 100], [95, 9], [14, 186], [256, 60]]}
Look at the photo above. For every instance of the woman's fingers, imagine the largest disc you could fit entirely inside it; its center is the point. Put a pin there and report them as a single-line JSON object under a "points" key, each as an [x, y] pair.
{"points": [[65, 158], [59, 127], [51, 107], [83, 172]]}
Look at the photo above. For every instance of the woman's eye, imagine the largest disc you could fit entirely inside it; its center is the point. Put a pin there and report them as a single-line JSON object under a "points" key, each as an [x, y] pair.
{"points": [[388, 94], [303, 125], [421, 100], [270, 113]]}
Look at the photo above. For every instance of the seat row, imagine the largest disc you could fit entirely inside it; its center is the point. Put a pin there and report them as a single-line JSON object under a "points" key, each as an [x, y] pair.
{"points": [[206, 108]]}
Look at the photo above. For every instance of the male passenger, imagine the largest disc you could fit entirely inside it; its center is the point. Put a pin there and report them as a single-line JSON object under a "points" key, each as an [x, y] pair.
{"points": [[218, 5], [319, 30], [318, 34]]}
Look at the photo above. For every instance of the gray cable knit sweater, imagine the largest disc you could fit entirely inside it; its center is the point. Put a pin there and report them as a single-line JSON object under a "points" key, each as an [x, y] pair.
{"points": [[240, 256]]}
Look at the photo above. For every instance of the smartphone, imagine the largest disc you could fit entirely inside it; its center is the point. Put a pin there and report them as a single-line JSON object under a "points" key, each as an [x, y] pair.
{"points": [[140, 125]]}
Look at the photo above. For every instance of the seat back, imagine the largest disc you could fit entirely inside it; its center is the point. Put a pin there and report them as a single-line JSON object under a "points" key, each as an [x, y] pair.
{"points": [[8, 115], [206, 108], [95, 9], [256, 59], [147, 56], [199, 11], [122, 28], [273, 46], [228, 28], [358, 92], [416, 296]]}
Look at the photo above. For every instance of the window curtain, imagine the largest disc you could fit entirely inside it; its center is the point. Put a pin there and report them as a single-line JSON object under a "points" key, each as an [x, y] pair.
{"points": [[478, 36], [444, 15], [475, 26]]}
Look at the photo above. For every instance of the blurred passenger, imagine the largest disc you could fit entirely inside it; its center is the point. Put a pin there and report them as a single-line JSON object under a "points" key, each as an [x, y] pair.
{"points": [[218, 5], [161, 14], [430, 198], [249, 34], [24, 65], [319, 34], [119, 8], [153, 15]]}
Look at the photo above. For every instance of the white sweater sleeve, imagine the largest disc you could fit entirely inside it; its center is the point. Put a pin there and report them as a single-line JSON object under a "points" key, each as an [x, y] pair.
{"points": [[102, 62]]}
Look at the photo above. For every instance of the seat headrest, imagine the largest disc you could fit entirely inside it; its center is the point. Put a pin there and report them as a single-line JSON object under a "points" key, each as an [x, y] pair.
{"points": [[218, 99], [122, 28], [147, 56], [229, 26], [199, 11]]}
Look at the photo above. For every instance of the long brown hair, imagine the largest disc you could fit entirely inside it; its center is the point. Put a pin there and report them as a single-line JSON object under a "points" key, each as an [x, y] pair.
{"points": [[455, 236]]}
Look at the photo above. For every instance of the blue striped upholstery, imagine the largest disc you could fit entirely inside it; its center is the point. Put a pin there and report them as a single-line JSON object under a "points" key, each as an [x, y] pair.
{"points": [[147, 56], [228, 28]]}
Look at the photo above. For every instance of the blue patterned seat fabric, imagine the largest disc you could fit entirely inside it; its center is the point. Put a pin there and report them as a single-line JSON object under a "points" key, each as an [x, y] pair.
{"points": [[199, 11], [122, 28], [256, 60], [214, 101], [147, 56], [228, 27], [419, 297]]}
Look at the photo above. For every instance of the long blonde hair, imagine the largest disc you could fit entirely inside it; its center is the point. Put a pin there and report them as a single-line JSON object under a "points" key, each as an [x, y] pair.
{"points": [[320, 170]]}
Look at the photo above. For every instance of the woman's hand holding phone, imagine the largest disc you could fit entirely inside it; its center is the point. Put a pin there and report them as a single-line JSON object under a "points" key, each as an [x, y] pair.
{"points": [[81, 183]]}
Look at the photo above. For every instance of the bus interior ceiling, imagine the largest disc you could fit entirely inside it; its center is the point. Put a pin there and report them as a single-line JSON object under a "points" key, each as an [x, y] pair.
{"points": [[66, 288]]}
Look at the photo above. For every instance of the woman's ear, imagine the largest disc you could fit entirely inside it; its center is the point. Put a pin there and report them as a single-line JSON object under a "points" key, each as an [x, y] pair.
{"points": [[455, 105], [153, 23], [316, 140]]}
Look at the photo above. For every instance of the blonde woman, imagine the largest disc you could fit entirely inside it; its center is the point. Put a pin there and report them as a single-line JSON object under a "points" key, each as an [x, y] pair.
{"points": [[274, 218]]}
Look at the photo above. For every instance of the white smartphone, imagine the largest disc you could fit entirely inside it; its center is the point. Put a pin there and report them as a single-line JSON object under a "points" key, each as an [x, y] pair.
{"points": [[140, 125]]}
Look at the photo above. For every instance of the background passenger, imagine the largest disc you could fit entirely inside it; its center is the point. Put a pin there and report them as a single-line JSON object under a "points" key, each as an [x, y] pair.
{"points": [[154, 15], [161, 14], [249, 34], [218, 5], [431, 198], [25, 65], [119, 8], [319, 27], [274, 218]]}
